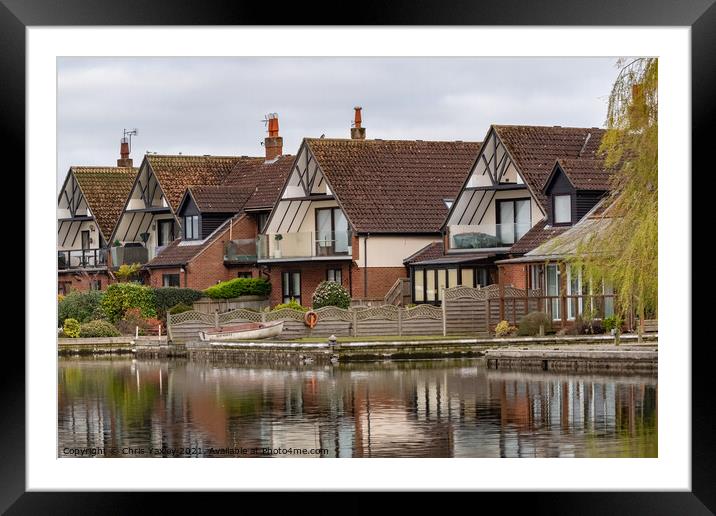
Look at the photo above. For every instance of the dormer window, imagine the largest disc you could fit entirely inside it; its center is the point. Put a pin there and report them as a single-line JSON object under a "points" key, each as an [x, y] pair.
{"points": [[191, 227], [562, 209]]}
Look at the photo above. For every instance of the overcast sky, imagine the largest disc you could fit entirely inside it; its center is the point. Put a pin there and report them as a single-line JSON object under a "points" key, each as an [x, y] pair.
{"points": [[215, 105]]}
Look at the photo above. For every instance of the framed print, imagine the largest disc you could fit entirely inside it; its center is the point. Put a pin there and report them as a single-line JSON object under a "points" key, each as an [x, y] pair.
{"points": [[424, 248]]}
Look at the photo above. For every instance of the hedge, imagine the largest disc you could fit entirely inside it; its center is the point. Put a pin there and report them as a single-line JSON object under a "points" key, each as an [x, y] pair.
{"points": [[239, 287], [98, 329], [120, 297], [167, 297], [82, 306]]}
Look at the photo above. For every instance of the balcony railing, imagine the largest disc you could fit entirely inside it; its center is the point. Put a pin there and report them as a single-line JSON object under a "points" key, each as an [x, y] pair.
{"points": [[274, 246], [129, 255], [82, 259], [486, 236], [242, 250]]}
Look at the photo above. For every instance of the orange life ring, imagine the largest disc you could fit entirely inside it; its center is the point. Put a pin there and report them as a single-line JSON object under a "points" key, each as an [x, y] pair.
{"points": [[310, 319]]}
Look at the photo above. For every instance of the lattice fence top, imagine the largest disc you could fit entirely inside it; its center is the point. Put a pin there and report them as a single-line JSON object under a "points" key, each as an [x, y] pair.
{"points": [[461, 292], [285, 313], [389, 312], [191, 316], [240, 313], [334, 313], [423, 312]]}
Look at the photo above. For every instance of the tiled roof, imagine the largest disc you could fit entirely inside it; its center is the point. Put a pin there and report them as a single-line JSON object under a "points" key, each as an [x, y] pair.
{"points": [[586, 174], [430, 251], [536, 148], [265, 178], [220, 199], [106, 190], [394, 186], [177, 173], [536, 236]]}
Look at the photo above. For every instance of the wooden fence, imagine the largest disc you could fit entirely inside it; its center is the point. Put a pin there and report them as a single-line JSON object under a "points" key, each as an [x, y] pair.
{"points": [[465, 311], [209, 306]]}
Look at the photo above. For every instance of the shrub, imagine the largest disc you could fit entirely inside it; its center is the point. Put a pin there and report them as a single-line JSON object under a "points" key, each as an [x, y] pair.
{"points": [[167, 297], [127, 272], [238, 287], [180, 309], [503, 329], [121, 297], [530, 323], [133, 318], [71, 328], [82, 306], [330, 293], [612, 322], [98, 328], [293, 304]]}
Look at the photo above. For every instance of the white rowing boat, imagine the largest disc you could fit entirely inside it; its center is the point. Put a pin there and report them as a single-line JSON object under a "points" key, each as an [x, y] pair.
{"points": [[246, 331]]}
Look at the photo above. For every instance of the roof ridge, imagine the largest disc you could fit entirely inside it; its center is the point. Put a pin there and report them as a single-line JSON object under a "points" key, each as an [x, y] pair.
{"points": [[380, 140], [551, 126]]}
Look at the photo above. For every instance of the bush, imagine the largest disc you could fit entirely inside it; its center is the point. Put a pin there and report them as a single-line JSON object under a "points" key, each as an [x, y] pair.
{"points": [[168, 297], [612, 322], [330, 293], [293, 304], [71, 328], [503, 329], [82, 306], [98, 328], [133, 318], [530, 323], [238, 287], [121, 297], [180, 309]]}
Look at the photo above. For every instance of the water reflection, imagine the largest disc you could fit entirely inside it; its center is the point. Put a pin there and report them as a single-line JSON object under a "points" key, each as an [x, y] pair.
{"points": [[123, 407]]}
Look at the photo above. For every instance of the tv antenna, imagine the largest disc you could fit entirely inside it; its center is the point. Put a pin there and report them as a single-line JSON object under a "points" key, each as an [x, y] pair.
{"points": [[128, 136]]}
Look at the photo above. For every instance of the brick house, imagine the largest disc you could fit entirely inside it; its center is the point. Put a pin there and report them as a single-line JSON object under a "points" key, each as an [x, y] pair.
{"points": [[88, 208], [353, 209], [527, 185]]}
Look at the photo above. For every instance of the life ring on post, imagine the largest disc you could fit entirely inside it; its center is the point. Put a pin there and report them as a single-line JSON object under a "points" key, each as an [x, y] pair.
{"points": [[310, 319]]}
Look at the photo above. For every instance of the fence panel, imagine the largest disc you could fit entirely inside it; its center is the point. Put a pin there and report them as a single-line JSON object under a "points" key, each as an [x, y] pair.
{"points": [[422, 320], [465, 310]]}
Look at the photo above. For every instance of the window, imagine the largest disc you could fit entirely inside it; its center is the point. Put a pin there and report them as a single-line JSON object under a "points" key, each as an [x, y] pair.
{"points": [[562, 209], [513, 219], [419, 285], [191, 227], [574, 288], [243, 275], [553, 289], [291, 286], [331, 232], [261, 220], [430, 285], [468, 278], [334, 275], [452, 278], [170, 280], [166, 232], [95, 285], [536, 276], [85, 240], [442, 283]]}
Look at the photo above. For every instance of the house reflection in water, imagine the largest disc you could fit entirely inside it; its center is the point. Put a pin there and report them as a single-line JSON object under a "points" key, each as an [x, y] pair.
{"points": [[397, 409]]}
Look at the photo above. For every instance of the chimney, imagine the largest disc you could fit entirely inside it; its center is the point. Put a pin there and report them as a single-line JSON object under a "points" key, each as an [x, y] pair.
{"points": [[124, 159], [357, 132], [273, 142]]}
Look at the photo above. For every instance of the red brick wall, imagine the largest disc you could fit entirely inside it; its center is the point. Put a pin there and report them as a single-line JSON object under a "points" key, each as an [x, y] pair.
{"points": [[380, 279], [514, 274], [208, 268], [81, 281], [311, 275]]}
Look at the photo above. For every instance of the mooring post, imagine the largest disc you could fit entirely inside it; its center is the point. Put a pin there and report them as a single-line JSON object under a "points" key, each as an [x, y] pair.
{"points": [[444, 307]]}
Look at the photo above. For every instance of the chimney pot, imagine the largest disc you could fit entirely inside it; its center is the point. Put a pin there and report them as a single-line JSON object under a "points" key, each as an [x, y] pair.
{"points": [[273, 143], [124, 159], [357, 131]]}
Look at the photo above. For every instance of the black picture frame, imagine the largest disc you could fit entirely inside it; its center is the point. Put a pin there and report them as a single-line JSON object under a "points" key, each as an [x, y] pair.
{"points": [[699, 15]]}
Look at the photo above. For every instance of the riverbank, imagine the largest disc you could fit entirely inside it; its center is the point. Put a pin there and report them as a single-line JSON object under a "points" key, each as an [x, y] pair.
{"points": [[628, 359], [106, 345]]}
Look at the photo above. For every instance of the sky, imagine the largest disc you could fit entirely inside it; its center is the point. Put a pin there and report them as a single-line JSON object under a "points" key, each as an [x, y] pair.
{"points": [[216, 105]]}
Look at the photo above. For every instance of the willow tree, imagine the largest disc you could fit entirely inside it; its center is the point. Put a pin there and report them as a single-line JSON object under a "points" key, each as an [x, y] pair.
{"points": [[626, 251]]}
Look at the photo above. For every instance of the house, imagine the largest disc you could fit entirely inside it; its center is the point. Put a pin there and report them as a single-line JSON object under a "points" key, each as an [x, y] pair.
{"points": [[516, 196], [220, 222], [89, 206], [352, 210]]}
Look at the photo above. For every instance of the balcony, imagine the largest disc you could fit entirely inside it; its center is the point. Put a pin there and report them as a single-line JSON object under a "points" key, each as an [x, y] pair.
{"points": [[242, 250], [129, 254], [485, 236], [82, 259], [304, 246]]}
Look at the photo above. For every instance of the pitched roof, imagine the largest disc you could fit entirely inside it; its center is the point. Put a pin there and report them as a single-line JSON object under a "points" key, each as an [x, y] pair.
{"points": [[177, 173], [394, 186], [220, 199], [265, 178], [106, 190], [429, 252], [586, 173], [538, 234], [536, 148]]}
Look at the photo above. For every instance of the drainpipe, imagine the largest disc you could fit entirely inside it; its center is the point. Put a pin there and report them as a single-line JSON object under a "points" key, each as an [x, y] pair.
{"points": [[365, 266]]}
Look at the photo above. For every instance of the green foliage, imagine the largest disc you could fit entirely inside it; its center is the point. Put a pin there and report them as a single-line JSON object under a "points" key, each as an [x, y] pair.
{"points": [[71, 328], [626, 252], [98, 328], [503, 329], [330, 293], [121, 297], [127, 272], [529, 325], [293, 304], [180, 309], [116, 243], [167, 297], [82, 306], [612, 323], [238, 287]]}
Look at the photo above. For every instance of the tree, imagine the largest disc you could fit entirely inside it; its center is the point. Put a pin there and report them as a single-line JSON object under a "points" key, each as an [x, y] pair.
{"points": [[626, 251], [127, 272]]}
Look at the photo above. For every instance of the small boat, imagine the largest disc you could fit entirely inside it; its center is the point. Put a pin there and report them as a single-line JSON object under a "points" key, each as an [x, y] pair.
{"points": [[245, 331]]}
